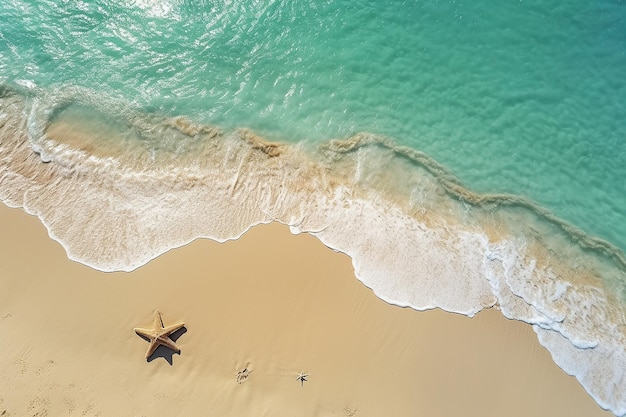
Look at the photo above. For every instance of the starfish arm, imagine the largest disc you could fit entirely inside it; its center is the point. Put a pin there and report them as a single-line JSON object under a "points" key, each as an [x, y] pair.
{"points": [[172, 328], [166, 341], [144, 332], [153, 346]]}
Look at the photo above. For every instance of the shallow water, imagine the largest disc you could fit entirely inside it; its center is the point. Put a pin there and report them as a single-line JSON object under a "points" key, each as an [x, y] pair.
{"points": [[522, 97], [491, 174]]}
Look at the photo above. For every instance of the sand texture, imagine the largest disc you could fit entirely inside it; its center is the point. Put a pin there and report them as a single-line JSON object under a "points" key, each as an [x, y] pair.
{"points": [[257, 312]]}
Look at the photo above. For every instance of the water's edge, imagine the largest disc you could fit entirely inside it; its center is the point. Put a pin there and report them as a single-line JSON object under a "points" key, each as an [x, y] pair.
{"points": [[118, 190]]}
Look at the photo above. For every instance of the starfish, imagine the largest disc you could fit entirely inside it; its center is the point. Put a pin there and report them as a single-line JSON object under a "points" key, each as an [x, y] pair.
{"points": [[159, 335], [302, 377]]}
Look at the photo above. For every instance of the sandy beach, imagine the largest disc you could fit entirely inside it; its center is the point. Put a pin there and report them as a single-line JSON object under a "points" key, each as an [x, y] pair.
{"points": [[271, 302]]}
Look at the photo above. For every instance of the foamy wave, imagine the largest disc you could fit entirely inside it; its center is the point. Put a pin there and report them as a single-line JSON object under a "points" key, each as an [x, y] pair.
{"points": [[118, 188]]}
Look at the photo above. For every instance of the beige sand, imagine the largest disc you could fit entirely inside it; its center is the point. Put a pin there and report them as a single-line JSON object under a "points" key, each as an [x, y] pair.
{"points": [[273, 302]]}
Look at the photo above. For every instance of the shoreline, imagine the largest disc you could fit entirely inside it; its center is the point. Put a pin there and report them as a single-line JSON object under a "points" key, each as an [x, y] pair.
{"points": [[117, 196], [292, 305]]}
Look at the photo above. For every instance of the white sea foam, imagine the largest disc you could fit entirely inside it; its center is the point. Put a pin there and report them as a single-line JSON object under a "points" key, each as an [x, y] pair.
{"points": [[600, 370], [117, 192]]}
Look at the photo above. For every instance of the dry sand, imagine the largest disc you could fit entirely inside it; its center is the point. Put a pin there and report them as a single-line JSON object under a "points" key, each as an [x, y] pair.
{"points": [[273, 302]]}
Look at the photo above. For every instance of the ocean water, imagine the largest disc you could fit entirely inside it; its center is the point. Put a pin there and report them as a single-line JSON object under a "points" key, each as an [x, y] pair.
{"points": [[464, 154]]}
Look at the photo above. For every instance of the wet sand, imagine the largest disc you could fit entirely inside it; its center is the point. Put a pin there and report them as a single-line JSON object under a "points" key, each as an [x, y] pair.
{"points": [[272, 302]]}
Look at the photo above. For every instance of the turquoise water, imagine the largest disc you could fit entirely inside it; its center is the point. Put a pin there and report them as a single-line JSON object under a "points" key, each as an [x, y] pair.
{"points": [[526, 97]]}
